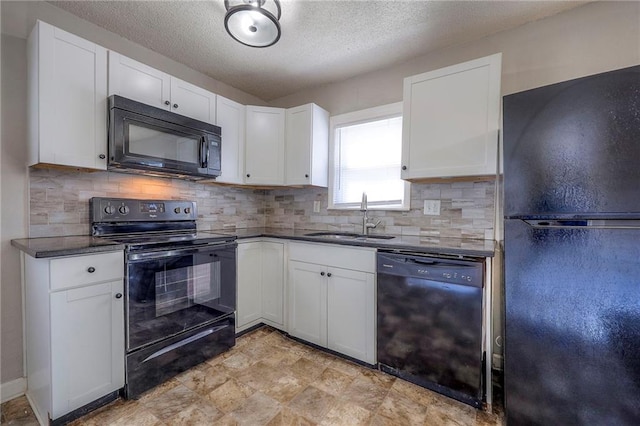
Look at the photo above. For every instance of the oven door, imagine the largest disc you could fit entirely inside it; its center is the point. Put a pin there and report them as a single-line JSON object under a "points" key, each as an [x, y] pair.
{"points": [[173, 291]]}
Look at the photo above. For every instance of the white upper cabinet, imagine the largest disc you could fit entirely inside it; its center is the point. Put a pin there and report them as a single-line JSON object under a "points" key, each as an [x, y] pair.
{"points": [[134, 80], [192, 101], [451, 118], [230, 116], [67, 99], [264, 146], [307, 146]]}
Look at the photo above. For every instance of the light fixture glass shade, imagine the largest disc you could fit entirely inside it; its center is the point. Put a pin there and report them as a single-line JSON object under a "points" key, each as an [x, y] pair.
{"points": [[251, 24]]}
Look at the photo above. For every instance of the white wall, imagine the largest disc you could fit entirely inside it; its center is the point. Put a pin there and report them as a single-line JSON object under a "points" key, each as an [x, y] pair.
{"points": [[19, 17], [597, 37], [13, 177], [594, 38]]}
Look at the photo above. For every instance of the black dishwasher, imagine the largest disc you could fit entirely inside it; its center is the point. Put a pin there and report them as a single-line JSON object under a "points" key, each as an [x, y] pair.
{"points": [[430, 322]]}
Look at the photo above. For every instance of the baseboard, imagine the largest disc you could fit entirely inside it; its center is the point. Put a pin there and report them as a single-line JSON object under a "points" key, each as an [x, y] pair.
{"points": [[13, 389]]}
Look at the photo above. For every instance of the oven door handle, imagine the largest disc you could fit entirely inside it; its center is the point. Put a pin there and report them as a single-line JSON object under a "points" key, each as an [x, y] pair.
{"points": [[152, 255], [183, 342]]}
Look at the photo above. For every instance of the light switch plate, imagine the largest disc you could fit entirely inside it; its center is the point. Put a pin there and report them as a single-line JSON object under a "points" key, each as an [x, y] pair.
{"points": [[316, 206], [432, 207]]}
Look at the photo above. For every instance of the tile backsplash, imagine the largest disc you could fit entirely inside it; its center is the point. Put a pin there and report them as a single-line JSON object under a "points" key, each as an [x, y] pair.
{"points": [[59, 200], [467, 210], [59, 205]]}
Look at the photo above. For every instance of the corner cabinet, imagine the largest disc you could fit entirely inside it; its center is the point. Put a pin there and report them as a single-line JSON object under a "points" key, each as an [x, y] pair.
{"points": [[74, 331], [67, 89], [135, 80], [451, 118], [261, 281], [307, 146], [264, 146], [332, 302]]}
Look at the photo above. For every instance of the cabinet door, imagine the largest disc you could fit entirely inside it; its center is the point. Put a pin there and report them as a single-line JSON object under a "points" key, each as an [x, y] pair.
{"points": [[87, 345], [68, 87], [273, 283], [308, 302], [249, 279], [192, 101], [307, 146], [134, 80], [298, 140], [230, 116], [451, 121], [264, 147], [351, 313]]}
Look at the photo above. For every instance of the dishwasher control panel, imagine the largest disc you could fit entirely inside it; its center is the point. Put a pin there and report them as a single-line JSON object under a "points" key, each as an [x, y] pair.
{"points": [[436, 269]]}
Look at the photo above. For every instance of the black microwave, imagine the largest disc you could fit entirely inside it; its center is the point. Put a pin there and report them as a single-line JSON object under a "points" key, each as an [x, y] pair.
{"points": [[153, 141]]}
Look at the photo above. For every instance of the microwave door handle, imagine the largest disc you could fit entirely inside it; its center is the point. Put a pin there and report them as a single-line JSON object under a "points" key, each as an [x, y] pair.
{"points": [[204, 153]]}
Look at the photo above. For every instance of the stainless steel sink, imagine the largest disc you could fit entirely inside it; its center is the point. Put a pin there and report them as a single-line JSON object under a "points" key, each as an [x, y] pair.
{"points": [[379, 237], [348, 236]]}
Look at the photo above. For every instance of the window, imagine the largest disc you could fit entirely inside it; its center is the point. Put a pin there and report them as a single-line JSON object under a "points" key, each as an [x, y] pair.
{"points": [[366, 150]]}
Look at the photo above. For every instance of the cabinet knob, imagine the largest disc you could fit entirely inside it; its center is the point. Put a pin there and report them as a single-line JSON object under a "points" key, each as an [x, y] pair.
{"points": [[175, 106], [404, 167], [167, 103], [306, 175], [91, 269], [248, 175], [322, 273], [328, 274], [102, 156], [118, 295]]}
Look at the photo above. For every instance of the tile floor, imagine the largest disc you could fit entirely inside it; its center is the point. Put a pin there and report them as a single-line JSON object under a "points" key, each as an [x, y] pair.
{"points": [[269, 379]]}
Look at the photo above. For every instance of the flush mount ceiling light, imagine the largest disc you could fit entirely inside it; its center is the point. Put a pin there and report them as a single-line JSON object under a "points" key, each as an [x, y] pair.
{"points": [[252, 24]]}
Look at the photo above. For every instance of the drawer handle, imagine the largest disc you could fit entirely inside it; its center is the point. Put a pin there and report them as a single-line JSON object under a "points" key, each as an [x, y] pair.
{"points": [[118, 295], [91, 270], [328, 274], [322, 273]]}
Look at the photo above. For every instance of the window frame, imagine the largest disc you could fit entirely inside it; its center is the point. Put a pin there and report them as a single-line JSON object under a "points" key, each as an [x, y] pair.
{"points": [[359, 117]]}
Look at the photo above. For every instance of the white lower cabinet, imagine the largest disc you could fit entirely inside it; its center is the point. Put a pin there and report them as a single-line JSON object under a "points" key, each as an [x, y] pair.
{"points": [[260, 284], [332, 298], [308, 302], [351, 313], [74, 331]]}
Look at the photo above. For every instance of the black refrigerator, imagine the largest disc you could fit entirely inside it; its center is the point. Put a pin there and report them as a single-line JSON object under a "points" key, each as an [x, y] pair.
{"points": [[572, 252]]}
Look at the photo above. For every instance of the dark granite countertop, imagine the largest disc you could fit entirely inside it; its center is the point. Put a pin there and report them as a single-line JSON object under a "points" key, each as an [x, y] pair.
{"points": [[80, 244], [427, 245], [65, 246]]}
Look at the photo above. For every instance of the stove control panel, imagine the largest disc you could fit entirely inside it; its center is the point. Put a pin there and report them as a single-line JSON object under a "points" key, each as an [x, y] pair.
{"points": [[132, 210]]}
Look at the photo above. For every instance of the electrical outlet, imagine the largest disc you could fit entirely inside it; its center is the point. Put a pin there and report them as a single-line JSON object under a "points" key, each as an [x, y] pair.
{"points": [[432, 207], [316, 206]]}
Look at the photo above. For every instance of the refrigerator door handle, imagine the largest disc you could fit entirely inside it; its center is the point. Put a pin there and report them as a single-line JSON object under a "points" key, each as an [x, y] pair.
{"points": [[585, 223]]}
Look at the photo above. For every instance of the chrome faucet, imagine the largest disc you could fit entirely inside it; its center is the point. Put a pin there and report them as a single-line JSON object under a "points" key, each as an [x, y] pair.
{"points": [[366, 224]]}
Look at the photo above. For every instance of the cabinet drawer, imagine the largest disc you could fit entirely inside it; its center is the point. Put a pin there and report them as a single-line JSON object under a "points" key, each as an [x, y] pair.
{"points": [[73, 271], [354, 258]]}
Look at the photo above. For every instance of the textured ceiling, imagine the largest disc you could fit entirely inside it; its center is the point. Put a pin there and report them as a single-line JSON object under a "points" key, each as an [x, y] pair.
{"points": [[322, 41]]}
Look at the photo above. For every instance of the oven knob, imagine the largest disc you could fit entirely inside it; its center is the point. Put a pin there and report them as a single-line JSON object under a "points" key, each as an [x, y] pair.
{"points": [[176, 210], [123, 209], [109, 210], [187, 210]]}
